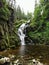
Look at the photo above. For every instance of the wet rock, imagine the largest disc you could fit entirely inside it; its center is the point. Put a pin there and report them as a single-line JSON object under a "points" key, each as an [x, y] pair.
{"points": [[36, 62], [4, 60], [16, 61], [40, 57], [12, 57]]}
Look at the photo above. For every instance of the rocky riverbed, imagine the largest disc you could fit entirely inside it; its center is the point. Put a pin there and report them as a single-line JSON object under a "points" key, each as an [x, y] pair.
{"points": [[12, 60], [25, 55]]}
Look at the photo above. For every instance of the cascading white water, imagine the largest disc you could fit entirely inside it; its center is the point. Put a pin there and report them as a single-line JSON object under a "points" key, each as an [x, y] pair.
{"points": [[20, 32]]}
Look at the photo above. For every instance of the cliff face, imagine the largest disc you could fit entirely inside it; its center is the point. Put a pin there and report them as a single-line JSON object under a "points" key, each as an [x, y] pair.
{"points": [[7, 35], [39, 30]]}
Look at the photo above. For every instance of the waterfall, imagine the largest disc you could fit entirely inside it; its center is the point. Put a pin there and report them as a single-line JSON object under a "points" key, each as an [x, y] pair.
{"points": [[21, 32]]}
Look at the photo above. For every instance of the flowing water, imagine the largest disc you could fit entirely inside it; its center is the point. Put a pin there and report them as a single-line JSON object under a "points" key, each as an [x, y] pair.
{"points": [[31, 51], [28, 52], [21, 32]]}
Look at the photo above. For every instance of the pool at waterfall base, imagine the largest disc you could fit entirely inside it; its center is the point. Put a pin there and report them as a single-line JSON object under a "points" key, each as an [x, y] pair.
{"points": [[29, 52]]}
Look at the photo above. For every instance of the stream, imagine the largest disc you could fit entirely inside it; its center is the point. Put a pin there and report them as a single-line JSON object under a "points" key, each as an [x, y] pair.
{"points": [[29, 52], [25, 54]]}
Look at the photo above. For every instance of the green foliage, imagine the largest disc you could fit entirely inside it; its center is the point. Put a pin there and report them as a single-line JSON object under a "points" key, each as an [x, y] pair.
{"points": [[11, 19], [8, 36], [40, 24], [4, 11]]}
